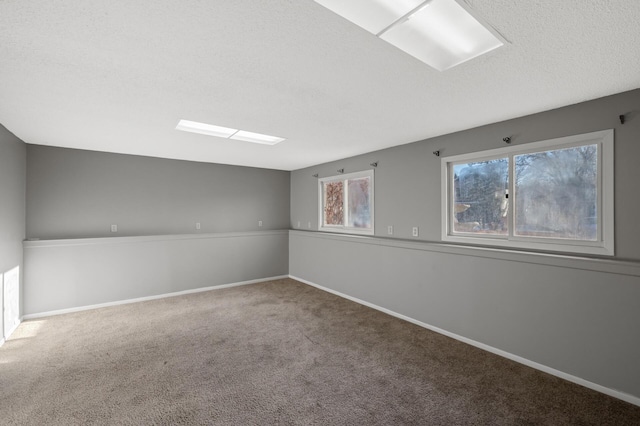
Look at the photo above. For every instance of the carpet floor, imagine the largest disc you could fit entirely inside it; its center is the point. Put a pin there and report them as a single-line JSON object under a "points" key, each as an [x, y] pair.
{"points": [[278, 352]]}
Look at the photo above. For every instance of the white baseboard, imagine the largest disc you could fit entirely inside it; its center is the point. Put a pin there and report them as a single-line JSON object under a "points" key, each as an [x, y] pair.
{"points": [[599, 388], [146, 298]]}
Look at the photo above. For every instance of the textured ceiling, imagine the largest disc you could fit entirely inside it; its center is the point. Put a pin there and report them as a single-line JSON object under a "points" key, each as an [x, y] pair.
{"points": [[116, 76]]}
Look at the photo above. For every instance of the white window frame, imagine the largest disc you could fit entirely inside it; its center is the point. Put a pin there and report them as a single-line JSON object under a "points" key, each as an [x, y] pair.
{"points": [[344, 228], [604, 243]]}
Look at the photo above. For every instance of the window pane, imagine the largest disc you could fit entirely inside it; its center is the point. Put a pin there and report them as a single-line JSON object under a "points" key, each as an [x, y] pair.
{"points": [[333, 203], [359, 206], [556, 193], [481, 202]]}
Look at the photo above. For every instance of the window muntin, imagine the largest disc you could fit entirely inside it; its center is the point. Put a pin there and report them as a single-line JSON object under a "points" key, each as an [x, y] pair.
{"points": [[555, 195], [346, 203]]}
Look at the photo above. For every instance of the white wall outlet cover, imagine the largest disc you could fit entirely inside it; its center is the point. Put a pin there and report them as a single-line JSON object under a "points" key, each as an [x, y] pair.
{"points": [[197, 225], [114, 228], [259, 223], [298, 224], [414, 231], [390, 229], [309, 225]]}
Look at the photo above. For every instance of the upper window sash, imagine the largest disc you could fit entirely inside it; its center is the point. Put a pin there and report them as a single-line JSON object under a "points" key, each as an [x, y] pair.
{"points": [[604, 241]]}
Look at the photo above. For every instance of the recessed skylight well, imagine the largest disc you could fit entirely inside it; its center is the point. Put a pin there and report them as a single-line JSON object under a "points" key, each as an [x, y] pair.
{"points": [[205, 129], [227, 133], [256, 138], [440, 33]]}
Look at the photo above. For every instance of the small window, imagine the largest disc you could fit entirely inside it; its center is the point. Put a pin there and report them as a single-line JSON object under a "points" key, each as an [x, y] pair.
{"points": [[346, 203], [554, 195]]}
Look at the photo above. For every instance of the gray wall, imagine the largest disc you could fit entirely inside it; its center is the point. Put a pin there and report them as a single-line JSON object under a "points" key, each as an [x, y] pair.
{"points": [[407, 179], [72, 274], [12, 204], [579, 316], [77, 194], [74, 195], [558, 314]]}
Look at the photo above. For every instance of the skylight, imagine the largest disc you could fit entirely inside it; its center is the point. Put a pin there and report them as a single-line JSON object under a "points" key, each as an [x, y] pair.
{"points": [[227, 133], [205, 129], [440, 33]]}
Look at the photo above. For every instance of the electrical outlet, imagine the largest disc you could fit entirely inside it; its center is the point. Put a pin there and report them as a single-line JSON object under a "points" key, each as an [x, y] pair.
{"points": [[114, 228], [309, 225], [197, 225], [390, 229], [260, 224], [298, 224], [414, 231]]}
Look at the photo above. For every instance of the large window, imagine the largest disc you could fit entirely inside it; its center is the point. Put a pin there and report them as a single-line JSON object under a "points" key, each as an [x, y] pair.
{"points": [[346, 203], [554, 195]]}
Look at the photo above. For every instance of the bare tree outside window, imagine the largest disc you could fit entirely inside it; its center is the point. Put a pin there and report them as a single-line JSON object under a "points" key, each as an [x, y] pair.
{"points": [[334, 203], [481, 201]]}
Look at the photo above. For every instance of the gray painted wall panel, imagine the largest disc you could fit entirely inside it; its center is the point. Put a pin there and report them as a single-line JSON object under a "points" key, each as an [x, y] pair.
{"points": [[12, 204], [68, 274], [77, 194], [580, 322]]}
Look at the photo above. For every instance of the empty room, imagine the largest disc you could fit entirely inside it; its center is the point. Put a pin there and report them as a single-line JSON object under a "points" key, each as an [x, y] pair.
{"points": [[320, 212]]}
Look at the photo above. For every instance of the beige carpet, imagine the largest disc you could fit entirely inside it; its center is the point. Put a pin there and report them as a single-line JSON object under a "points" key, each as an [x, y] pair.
{"points": [[278, 352]]}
